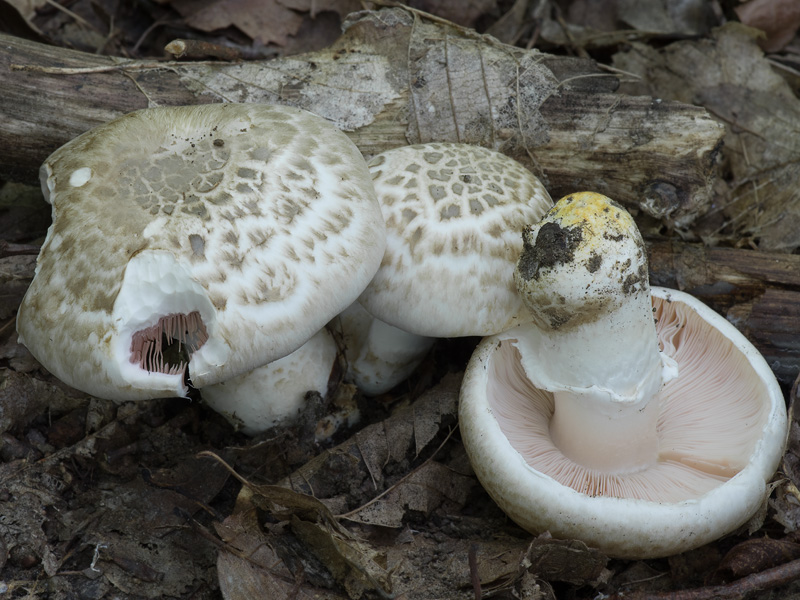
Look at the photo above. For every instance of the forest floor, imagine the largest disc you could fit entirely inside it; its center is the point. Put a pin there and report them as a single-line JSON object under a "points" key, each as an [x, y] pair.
{"points": [[164, 499]]}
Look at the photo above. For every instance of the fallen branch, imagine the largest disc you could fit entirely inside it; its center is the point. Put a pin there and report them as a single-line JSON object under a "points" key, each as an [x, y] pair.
{"points": [[395, 78]]}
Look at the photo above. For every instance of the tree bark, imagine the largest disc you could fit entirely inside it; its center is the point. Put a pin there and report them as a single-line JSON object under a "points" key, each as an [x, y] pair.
{"points": [[395, 78]]}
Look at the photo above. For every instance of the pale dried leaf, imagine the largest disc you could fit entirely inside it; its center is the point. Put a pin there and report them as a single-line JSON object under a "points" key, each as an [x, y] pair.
{"points": [[469, 91], [349, 88]]}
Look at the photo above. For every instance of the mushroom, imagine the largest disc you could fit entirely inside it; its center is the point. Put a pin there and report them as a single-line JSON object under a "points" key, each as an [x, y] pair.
{"points": [[196, 243], [275, 394], [451, 213], [379, 356], [637, 420]]}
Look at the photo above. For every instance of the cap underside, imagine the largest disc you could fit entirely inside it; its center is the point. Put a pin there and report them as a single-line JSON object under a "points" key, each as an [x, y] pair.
{"points": [[711, 416]]}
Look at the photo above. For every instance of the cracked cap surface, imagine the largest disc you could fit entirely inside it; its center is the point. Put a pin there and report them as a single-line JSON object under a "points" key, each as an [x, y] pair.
{"points": [[260, 218], [454, 213]]}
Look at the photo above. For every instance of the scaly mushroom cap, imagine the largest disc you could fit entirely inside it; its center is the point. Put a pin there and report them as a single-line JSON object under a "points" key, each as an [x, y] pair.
{"points": [[453, 214], [220, 237], [721, 429]]}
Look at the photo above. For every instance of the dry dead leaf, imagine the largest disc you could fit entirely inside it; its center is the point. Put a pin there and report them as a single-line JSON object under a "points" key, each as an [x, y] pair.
{"points": [[15, 277], [354, 563], [566, 560], [23, 398], [421, 491], [688, 17], [602, 23], [27, 8], [778, 19], [754, 556], [730, 77], [353, 473], [265, 21], [249, 567]]}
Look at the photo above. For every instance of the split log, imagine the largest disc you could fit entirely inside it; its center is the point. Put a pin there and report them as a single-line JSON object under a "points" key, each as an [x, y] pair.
{"points": [[395, 78]]}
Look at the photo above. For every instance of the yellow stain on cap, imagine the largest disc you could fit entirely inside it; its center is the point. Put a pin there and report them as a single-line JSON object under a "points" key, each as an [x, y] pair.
{"points": [[595, 214]]}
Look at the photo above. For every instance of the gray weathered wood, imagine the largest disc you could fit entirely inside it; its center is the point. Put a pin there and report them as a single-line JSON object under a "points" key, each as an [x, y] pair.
{"points": [[395, 78]]}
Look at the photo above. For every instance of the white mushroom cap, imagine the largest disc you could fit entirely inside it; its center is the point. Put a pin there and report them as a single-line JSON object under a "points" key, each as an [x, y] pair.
{"points": [[238, 229], [379, 356], [722, 429], [593, 422], [453, 214], [276, 393]]}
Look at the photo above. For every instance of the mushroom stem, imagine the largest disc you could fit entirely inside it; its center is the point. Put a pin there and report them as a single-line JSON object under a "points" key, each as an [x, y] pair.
{"points": [[583, 276], [609, 436]]}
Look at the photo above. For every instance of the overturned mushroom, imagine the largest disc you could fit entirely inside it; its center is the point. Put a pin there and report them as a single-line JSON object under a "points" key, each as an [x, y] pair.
{"points": [[196, 243], [644, 426]]}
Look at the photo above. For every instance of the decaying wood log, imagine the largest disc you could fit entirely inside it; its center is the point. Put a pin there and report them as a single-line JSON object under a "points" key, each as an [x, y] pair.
{"points": [[392, 79], [758, 292]]}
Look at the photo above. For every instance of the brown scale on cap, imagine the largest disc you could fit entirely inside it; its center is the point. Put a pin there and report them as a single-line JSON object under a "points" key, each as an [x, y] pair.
{"points": [[167, 346]]}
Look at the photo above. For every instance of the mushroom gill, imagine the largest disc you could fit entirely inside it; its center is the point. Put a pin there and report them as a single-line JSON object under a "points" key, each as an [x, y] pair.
{"points": [[711, 415], [167, 346]]}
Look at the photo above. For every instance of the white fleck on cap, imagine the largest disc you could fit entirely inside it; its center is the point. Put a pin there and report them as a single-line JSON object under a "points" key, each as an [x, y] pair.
{"points": [[454, 216], [220, 236]]}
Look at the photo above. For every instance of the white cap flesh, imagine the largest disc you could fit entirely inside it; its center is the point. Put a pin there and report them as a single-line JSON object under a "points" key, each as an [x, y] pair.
{"points": [[453, 214], [274, 394], [238, 230]]}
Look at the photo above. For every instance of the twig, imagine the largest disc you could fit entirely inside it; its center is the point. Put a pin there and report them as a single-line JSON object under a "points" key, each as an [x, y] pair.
{"points": [[741, 588], [9, 249], [472, 557], [199, 48], [411, 473]]}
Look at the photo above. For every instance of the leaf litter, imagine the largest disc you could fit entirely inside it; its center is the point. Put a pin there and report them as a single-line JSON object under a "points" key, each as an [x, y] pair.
{"points": [[99, 500]]}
